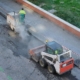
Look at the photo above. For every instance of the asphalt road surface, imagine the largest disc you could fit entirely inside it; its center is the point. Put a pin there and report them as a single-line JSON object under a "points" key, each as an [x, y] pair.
{"points": [[15, 63]]}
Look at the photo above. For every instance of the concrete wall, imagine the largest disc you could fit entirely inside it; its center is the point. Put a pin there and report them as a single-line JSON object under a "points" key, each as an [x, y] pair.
{"points": [[67, 26]]}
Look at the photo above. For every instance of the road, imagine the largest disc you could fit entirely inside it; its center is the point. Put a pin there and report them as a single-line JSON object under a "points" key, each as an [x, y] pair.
{"points": [[14, 57]]}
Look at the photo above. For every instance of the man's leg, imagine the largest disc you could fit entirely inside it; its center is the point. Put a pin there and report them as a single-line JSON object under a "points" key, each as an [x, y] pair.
{"points": [[20, 18]]}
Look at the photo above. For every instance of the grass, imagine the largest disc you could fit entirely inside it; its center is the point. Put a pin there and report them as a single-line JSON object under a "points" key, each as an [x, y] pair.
{"points": [[68, 10]]}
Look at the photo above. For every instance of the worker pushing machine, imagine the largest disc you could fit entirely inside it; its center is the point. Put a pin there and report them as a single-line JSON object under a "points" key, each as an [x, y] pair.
{"points": [[22, 14]]}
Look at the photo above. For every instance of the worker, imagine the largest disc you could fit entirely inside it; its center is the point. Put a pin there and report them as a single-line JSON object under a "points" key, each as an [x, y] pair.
{"points": [[22, 14], [56, 52]]}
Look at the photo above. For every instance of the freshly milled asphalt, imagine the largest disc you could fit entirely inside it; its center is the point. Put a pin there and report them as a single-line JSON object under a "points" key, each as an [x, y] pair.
{"points": [[14, 56]]}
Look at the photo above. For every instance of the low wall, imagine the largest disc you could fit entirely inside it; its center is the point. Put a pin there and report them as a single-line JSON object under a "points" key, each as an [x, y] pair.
{"points": [[67, 26]]}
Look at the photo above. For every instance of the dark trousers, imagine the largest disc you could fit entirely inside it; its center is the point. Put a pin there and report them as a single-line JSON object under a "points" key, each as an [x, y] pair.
{"points": [[21, 17]]}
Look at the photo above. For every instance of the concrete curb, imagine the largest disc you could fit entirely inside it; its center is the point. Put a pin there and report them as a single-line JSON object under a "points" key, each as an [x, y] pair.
{"points": [[67, 26]]}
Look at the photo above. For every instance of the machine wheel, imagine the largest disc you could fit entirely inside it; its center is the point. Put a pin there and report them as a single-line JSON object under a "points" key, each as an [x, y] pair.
{"points": [[51, 69], [42, 62]]}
